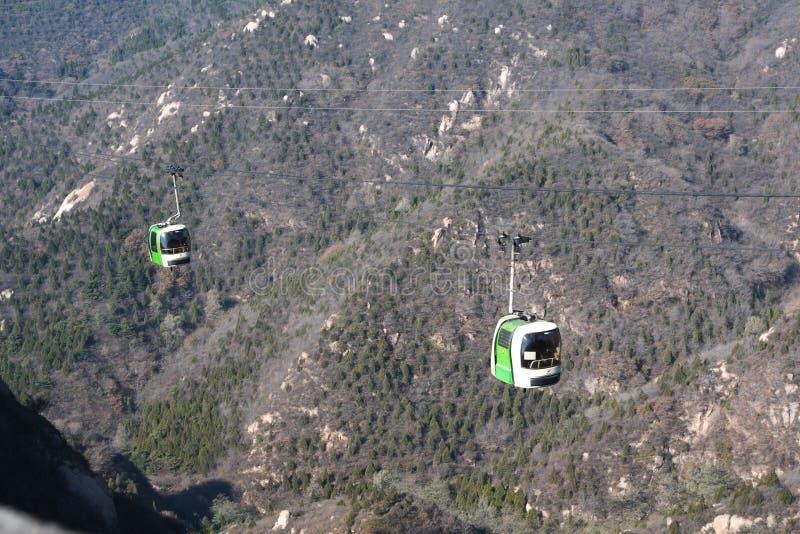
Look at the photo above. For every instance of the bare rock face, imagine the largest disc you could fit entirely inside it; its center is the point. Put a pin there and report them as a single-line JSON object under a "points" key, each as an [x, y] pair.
{"points": [[14, 522], [438, 235], [730, 524]]}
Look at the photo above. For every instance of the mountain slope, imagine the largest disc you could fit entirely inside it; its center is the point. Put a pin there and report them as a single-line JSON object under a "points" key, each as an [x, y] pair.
{"points": [[347, 167], [45, 477]]}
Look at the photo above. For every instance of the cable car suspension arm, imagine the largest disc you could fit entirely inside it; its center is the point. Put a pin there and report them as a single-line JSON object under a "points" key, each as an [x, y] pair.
{"points": [[516, 241], [175, 171]]}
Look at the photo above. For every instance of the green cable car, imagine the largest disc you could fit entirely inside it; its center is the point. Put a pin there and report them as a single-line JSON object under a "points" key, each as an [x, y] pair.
{"points": [[169, 243], [526, 351]]}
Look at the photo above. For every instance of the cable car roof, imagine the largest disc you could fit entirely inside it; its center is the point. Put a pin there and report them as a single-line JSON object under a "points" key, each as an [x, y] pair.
{"points": [[535, 327], [162, 227]]}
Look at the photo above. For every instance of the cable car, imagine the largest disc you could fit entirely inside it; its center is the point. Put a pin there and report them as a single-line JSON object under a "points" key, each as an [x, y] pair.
{"points": [[169, 243], [526, 351]]}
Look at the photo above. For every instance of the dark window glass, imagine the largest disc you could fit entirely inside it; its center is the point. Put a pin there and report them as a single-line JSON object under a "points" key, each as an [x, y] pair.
{"points": [[541, 346], [504, 339], [176, 239], [153, 241]]}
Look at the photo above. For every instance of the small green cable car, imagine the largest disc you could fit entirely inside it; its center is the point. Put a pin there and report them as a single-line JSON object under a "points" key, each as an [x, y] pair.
{"points": [[526, 351], [169, 244]]}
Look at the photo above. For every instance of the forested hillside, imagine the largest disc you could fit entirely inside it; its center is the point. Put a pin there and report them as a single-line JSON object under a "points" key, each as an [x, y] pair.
{"points": [[323, 362]]}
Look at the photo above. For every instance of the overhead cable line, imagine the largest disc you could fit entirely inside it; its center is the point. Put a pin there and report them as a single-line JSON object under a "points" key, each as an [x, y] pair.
{"points": [[534, 111], [482, 187], [532, 189], [5, 5], [609, 243], [654, 244], [402, 90], [554, 241], [572, 242]]}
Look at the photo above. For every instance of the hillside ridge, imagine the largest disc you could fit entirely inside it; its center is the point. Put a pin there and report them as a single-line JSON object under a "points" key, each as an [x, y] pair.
{"points": [[348, 167]]}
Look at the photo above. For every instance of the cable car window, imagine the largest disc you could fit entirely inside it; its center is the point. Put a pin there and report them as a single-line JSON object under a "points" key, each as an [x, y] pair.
{"points": [[504, 339], [541, 346], [153, 242], [175, 241]]}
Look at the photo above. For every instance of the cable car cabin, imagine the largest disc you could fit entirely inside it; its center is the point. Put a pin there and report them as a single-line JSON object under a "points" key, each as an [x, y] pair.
{"points": [[526, 351], [169, 244]]}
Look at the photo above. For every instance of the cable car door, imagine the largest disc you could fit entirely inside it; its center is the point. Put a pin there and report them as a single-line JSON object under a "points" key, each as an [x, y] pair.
{"points": [[502, 351]]}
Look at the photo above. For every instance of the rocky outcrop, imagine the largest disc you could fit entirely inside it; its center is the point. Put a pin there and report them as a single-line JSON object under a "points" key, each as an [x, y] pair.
{"points": [[76, 196], [729, 524], [14, 522]]}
